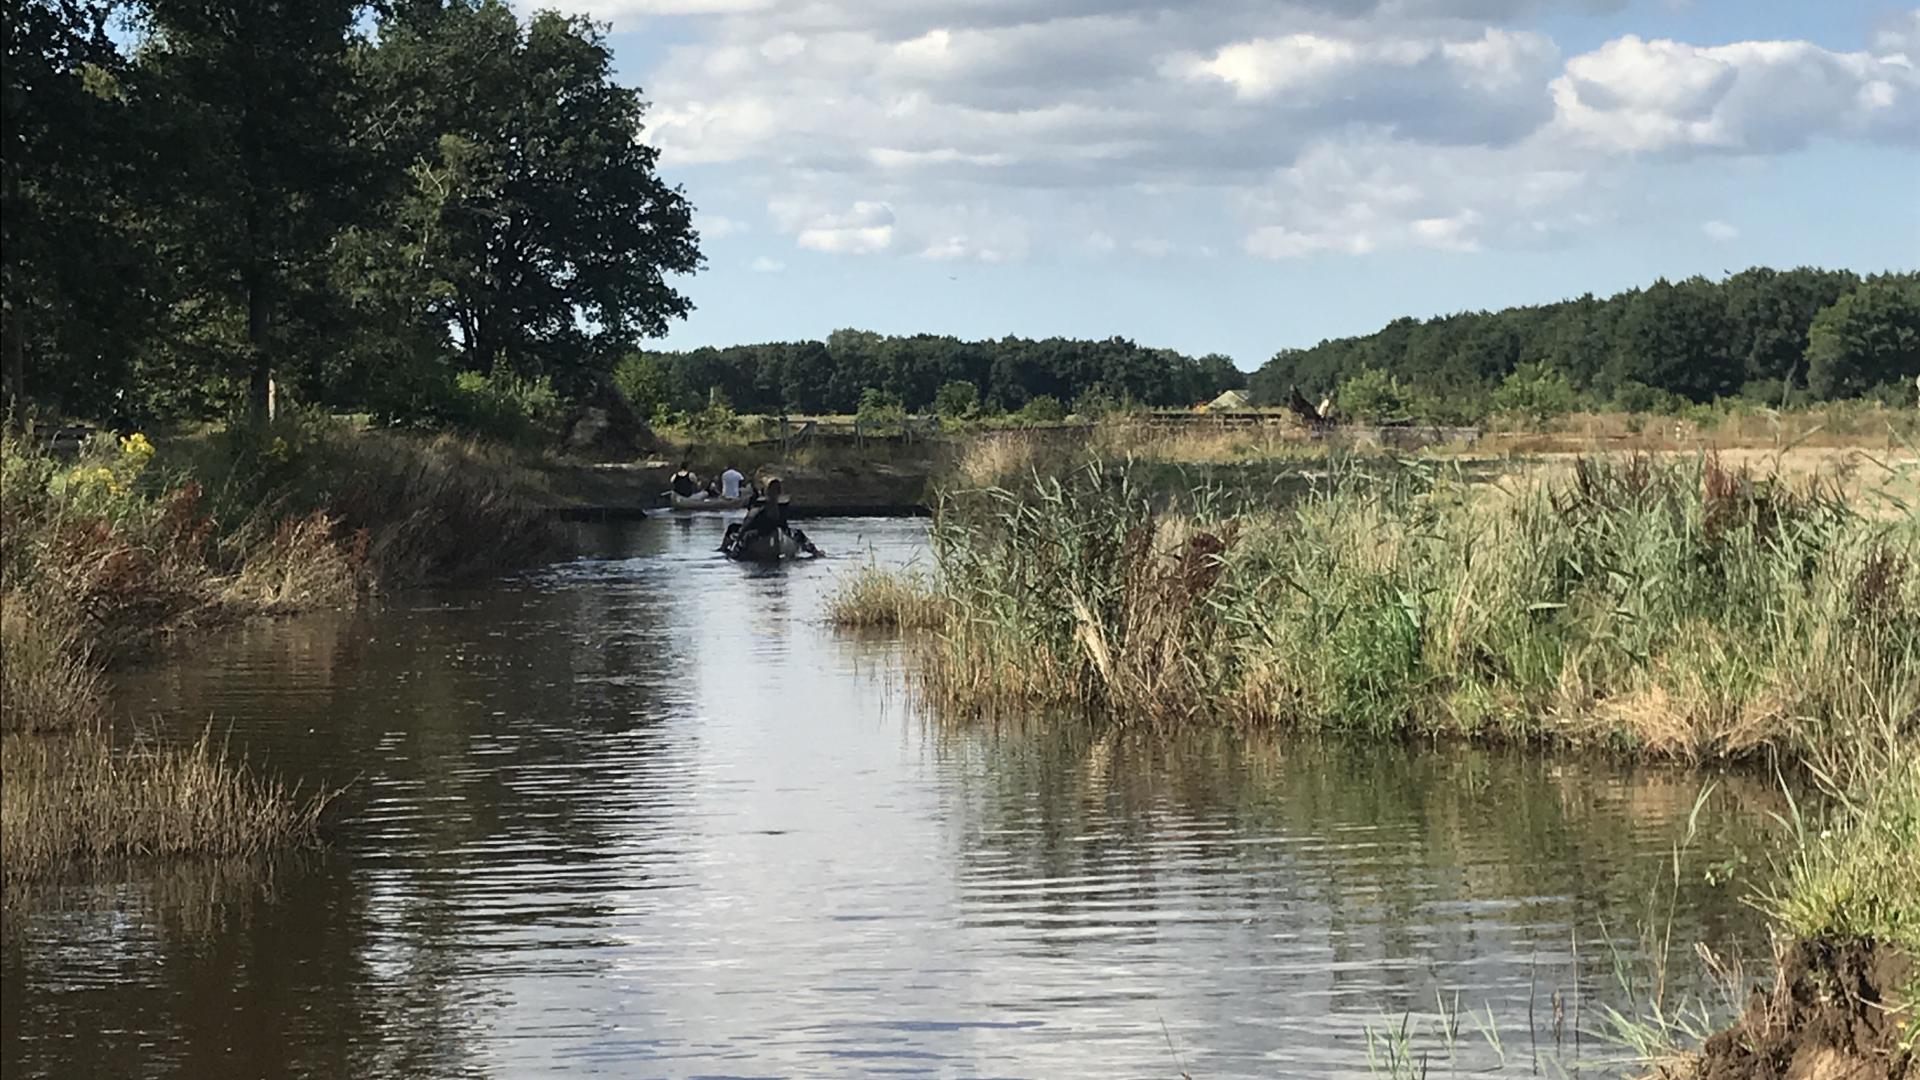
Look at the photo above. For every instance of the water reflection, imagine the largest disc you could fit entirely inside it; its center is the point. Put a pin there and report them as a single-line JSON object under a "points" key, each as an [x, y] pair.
{"points": [[641, 814]]}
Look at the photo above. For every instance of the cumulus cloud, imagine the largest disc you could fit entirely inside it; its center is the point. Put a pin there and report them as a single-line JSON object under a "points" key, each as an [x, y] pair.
{"points": [[765, 265], [1720, 232], [1368, 196], [1751, 97], [988, 129]]}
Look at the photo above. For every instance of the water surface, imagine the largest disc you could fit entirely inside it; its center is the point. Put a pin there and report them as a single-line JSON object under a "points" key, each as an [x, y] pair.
{"points": [[642, 814]]}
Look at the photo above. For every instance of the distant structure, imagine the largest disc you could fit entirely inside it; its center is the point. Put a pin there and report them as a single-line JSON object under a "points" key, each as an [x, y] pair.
{"points": [[1230, 401]]}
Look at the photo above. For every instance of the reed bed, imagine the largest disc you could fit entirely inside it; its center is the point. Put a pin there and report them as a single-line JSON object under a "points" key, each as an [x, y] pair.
{"points": [[875, 597], [77, 798], [1673, 608], [106, 551]]}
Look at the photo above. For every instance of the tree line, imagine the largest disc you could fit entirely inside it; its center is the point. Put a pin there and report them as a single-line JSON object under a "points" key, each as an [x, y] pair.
{"points": [[922, 373], [1773, 336], [211, 203]]}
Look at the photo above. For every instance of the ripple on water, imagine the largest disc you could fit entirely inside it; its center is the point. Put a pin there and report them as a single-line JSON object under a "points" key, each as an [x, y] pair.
{"points": [[641, 814]]}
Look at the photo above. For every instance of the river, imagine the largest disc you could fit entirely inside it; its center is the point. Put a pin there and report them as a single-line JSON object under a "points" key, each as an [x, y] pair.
{"points": [[643, 814]]}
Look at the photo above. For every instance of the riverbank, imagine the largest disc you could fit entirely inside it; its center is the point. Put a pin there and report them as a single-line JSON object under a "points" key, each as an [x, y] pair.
{"points": [[1658, 606], [124, 543], [1675, 609], [1843, 1000]]}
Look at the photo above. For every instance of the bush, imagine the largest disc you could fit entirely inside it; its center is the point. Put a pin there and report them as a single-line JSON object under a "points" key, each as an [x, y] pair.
{"points": [[503, 405], [1535, 393], [1045, 409], [957, 400], [717, 420], [1373, 394], [880, 407]]}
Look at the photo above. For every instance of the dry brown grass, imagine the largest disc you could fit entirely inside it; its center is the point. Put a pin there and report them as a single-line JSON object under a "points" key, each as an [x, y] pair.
{"points": [[47, 682], [78, 798], [302, 566], [878, 598]]}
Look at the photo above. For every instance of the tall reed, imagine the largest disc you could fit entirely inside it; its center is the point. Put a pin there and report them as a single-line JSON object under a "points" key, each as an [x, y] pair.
{"points": [[1670, 607], [76, 797]]}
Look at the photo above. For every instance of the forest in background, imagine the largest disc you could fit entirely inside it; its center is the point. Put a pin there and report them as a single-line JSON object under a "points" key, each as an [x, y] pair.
{"points": [[1768, 336]]}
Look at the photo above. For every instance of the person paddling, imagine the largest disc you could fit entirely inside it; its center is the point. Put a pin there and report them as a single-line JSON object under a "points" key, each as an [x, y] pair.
{"points": [[767, 515], [684, 483]]}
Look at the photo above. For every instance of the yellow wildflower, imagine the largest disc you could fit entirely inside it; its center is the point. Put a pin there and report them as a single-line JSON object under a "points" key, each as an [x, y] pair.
{"points": [[135, 452]]}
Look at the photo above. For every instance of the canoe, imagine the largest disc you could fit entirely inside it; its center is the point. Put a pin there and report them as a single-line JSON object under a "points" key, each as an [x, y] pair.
{"points": [[701, 502], [767, 547]]}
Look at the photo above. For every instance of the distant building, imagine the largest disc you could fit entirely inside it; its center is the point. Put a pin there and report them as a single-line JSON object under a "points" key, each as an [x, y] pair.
{"points": [[1231, 401]]}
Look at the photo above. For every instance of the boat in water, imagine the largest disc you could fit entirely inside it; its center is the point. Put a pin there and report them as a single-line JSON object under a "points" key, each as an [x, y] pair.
{"points": [[704, 502], [776, 546]]}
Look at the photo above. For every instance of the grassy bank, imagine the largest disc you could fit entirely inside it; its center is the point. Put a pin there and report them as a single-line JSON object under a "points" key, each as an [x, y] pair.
{"points": [[104, 552], [1843, 996], [1673, 608]]}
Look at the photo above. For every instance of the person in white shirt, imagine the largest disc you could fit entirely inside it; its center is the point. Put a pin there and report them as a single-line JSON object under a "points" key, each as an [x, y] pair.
{"points": [[730, 483]]}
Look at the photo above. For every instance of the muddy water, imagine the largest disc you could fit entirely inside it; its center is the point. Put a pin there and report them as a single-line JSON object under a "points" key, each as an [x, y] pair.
{"points": [[641, 814]]}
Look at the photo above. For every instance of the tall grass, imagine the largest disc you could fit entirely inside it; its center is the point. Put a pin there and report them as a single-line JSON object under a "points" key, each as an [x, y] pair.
{"points": [[1853, 869], [874, 597], [75, 797], [1671, 607], [103, 553]]}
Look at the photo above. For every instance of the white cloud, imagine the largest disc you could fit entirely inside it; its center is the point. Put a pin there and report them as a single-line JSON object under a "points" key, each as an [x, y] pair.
{"points": [[1364, 196], [866, 228], [1720, 232], [1632, 95], [765, 265], [1899, 38], [990, 129]]}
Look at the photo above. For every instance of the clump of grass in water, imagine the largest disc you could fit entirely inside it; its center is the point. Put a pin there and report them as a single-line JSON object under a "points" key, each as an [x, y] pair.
{"points": [[76, 797], [46, 680], [874, 597], [1677, 609]]}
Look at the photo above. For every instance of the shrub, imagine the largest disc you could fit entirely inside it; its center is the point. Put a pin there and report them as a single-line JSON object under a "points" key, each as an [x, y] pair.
{"points": [[505, 406], [1373, 394], [1044, 409], [957, 400], [1535, 393], [880, 407]]}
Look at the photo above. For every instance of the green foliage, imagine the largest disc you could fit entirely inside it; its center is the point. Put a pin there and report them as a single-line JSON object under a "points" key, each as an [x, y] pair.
{"points": [[1677, 609], [1852, 869], [1535, 392], [346, 206], [1869, 337], [1650, 349], [504, 405], [1044, 409], [1374, 394], [717, 420], [643, 381], [879, 406], [831, 376], [957, 399]]}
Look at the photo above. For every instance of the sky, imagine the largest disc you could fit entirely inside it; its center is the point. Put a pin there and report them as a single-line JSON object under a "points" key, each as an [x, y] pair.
{"points": [[1241, 176]]}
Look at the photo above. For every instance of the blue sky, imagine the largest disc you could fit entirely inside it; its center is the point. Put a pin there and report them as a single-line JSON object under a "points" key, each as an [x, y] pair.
{"points": [[1243, 175]]}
